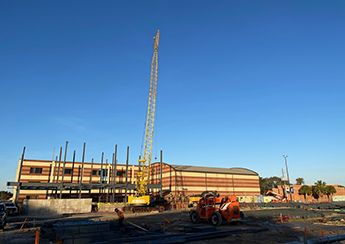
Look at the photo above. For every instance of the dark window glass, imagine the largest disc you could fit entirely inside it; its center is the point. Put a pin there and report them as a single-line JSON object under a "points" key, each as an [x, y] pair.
{"points": [[31, 197], [68, 171], [94, 172], [36, 170], [104, 172], [120, 173]]}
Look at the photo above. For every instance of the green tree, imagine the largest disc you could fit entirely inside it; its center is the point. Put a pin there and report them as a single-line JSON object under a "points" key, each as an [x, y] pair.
{"points": [[330, 190], [5, 195], [274, 181], [263, 185], [320, 188], [299, 181], [270, 182], [305, 190]]}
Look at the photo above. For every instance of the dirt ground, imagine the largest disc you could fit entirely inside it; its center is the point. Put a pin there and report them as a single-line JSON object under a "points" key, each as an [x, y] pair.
{"points": [[290, 231]]}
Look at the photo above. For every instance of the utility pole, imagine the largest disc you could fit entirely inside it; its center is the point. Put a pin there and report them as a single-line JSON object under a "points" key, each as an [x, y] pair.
{"points": [[287, 173], [284, 180]]}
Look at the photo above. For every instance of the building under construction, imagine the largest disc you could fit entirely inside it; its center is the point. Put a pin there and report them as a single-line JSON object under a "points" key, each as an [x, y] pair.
{"points": [[103, 182]]}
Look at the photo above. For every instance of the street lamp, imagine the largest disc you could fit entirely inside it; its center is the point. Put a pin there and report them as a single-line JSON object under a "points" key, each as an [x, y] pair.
{"points": [[288, 178]]}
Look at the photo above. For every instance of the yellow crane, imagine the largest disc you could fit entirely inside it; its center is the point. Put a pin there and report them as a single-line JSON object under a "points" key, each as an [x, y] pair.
{"points": [[143, 177]]}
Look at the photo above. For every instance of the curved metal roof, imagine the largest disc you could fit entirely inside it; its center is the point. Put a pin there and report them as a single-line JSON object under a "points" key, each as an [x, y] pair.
{"points": [[236, 170]]}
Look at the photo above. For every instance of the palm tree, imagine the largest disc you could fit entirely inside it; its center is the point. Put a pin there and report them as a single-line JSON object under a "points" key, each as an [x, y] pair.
{"points": [[320, 188], [299, 181], [305, 190], [330, 190]]}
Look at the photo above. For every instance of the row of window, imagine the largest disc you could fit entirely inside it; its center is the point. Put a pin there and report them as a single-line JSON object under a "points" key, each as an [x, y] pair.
{"points": [[35, 170], [31, 197], [69, 172]]}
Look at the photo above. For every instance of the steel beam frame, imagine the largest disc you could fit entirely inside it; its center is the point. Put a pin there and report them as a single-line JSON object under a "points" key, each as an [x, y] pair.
{"points": [[74, 186]]}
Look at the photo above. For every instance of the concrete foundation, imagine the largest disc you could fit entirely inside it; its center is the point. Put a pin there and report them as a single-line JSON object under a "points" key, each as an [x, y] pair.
{"points": [[45, 207], [109, 207]]}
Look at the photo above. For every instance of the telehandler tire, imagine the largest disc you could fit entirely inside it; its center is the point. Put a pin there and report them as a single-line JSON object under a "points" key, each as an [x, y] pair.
{"points": [[194, 217], [216, 219]]}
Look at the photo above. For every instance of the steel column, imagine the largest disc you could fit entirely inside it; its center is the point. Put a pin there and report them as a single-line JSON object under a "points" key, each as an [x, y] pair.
{"points": [[58, 174], [82, 170], [91, 176], [115, 172], [70, 191], [19, 174], [161, 174], [63, 169], [54, 173], [50, 172], [100, 189], [107, 172], [126, 174]]}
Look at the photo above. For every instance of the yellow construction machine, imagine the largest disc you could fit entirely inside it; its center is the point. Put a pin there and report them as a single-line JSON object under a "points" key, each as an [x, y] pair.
{"points": [[143, 177]]}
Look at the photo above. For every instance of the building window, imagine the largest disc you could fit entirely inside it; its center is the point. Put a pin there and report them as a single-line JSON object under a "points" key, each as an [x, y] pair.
{"points": [[31, 197], [36, 170], [105, 172], [34, 181], [68, 171], [121, 173]]}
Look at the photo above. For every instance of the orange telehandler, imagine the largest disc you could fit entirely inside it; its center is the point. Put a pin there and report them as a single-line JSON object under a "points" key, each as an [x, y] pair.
{"points": [[216, 209]]}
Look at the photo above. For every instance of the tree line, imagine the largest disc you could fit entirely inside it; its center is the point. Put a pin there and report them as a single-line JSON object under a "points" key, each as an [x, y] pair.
{"points": [[319, 189], [5, 195]]}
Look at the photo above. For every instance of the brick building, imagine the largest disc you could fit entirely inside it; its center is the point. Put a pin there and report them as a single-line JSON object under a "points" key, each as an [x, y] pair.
{"points": [[296, 197], [194, 180], [43, 171], [176, 179]]}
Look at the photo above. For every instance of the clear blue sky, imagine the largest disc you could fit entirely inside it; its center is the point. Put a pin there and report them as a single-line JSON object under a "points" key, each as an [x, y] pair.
{"points": [[240, 83]]}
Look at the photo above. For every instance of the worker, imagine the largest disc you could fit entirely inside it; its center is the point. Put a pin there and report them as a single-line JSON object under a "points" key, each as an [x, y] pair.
{"points": [[121, 217]]}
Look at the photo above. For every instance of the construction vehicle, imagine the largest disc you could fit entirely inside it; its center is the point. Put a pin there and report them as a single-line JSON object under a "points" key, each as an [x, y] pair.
{"points": [[216, 209], [193, 200], [277, 197], [143, 177]]}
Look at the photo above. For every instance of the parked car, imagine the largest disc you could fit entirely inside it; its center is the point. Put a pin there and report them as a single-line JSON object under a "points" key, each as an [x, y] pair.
{"points": [[3, 216], [11, 208]]}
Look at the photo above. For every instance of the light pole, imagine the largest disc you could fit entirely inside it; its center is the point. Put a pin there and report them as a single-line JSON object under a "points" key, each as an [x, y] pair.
{"points": [[287, 173]]}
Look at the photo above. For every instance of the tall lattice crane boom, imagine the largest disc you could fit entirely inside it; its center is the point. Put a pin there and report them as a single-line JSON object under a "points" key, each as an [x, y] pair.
{"points": [[143, 177]]}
